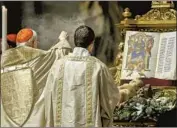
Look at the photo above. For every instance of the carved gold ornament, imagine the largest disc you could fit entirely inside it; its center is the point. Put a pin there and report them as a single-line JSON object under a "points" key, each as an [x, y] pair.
{"points": [[158, 14]]}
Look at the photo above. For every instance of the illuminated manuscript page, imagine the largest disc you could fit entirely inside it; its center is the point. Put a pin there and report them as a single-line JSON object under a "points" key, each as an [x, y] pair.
{"points": [[140, 55]]}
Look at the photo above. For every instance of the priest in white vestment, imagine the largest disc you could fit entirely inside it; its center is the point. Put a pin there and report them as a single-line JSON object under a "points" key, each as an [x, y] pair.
{"points": [[24, 72], [80, 90]]}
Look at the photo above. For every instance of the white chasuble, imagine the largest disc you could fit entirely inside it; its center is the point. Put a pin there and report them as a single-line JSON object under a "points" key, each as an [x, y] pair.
{"points": [[80, 92], [24, 72]]}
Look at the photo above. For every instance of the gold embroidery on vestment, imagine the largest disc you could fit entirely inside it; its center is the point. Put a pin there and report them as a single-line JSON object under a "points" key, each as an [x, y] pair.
{"points": [[89, 72], [59, 97]]}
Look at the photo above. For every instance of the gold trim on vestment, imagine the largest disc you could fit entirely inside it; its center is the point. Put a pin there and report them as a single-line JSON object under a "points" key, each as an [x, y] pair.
{"points": [[59, 97], [89, 72]]}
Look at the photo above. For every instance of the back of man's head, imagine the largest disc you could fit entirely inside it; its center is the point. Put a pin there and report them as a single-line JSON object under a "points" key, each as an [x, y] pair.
{"points": [[84, 36], [27, 36]]}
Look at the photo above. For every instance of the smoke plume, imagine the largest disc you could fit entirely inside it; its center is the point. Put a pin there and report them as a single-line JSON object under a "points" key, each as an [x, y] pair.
{"points": [[49, 25], [58, 16]]}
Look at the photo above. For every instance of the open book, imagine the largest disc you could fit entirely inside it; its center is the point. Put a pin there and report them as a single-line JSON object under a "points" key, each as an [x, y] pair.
{"points": [[149, 55]]}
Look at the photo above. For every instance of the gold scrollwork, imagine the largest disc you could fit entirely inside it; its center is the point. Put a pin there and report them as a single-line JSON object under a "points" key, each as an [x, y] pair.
{"points": [[158, 14], [157, 29]]}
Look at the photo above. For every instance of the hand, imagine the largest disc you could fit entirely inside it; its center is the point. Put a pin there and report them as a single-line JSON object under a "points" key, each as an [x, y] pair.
{"points": [[63, 35]]}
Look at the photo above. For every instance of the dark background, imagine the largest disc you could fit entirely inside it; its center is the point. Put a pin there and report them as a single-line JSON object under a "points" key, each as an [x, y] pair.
{"points": [[15, 11]]}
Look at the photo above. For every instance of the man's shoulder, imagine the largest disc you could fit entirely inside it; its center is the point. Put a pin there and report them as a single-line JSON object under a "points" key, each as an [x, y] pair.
{"points": [[24, 50], [20, 55], [98, 62], [91, 59]]}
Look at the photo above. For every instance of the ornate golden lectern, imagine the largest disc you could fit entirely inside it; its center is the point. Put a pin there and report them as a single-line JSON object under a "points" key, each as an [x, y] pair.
{"points": [[161, 18]]}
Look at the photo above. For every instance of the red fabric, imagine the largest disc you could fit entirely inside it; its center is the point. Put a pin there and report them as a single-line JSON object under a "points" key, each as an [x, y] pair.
{"points": [[12, 37], [154, 82]]}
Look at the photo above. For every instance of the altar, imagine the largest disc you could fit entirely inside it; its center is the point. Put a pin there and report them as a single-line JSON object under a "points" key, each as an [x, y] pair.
{"points": [[145, 108]]}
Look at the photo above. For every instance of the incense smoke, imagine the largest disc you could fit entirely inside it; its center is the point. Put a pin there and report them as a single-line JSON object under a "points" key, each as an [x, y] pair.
{"points": [[59, 16], [49, 25]]}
